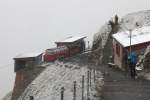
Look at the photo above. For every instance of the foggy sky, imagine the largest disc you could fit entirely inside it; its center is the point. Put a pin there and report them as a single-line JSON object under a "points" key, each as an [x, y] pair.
{"points": [[34, 25]]}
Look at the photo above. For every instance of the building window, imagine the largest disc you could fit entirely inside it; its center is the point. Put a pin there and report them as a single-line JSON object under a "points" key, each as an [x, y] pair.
{"points": [[118, 49]]}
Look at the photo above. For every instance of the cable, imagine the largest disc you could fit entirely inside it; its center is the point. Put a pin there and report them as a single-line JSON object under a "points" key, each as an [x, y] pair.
{"points": [[5, 66]]}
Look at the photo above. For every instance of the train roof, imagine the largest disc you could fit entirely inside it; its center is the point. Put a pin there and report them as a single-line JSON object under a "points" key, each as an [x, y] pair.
{"points": [[57, 49], [28, 55], [71, 39]]}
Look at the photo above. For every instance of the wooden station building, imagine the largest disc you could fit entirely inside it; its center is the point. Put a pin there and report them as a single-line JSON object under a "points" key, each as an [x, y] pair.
{"points": [[27, 59], [65, 48], [73, 42], [140, 39]]}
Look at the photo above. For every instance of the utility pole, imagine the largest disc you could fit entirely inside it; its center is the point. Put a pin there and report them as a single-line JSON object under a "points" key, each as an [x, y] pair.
{"points": [[130, 32], [88, 45]]}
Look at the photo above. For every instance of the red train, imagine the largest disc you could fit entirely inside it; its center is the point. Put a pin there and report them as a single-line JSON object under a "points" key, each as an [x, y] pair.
{"points": [[60, 52]]}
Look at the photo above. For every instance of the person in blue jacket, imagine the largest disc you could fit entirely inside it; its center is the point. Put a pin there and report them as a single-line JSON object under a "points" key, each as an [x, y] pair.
{"points": [[132, 57]]}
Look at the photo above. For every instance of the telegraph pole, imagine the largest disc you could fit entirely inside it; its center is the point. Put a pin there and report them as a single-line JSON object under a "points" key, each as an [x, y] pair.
{"points": [[88, 45], [130, 32]]}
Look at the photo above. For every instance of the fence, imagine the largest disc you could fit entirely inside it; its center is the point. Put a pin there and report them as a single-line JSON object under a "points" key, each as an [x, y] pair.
{"points": [[85, 95]]}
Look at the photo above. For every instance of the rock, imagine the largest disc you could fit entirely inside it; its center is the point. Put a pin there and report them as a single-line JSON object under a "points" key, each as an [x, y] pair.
{"points": [[146, 61]]}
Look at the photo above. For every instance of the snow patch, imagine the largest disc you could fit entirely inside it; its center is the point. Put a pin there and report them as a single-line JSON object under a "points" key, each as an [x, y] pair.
{"points": [[72, 39], [28, 55], [140, 35], [48, 85]]}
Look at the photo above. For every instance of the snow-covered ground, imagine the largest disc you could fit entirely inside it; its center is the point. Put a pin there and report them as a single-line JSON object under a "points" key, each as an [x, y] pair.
{"points": [[134, 20], [48, 85]]}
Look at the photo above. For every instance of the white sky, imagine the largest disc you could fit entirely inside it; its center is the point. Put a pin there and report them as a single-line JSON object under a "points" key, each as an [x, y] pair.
{"points": [[34, 25]]}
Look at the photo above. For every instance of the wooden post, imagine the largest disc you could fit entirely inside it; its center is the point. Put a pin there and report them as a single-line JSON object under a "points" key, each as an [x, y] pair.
{"points": [[74, 92], [62, 93], [90, 77], [94, 74], [88, 85], [130, 31], [31, 98], [83, 87]]}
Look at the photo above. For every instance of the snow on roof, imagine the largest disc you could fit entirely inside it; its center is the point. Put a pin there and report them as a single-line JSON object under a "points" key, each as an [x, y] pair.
{"points": [[28, 55], [54, 50], [72, 39], [140, 35]]}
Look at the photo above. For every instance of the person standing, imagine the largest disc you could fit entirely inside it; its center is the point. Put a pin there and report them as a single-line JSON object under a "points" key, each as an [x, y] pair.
{"points": [[132, 63]]}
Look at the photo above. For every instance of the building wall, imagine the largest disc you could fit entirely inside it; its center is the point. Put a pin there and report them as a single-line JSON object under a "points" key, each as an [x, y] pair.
{"points": [[118, 58], [140, 48], [80, 43], [21, 63], [23, 78], [38, 59], [121, 60], [27, 70]]}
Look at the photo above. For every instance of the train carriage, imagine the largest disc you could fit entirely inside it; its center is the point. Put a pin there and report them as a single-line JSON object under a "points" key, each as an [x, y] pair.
{"points": [[65, 48], [55, 53]]}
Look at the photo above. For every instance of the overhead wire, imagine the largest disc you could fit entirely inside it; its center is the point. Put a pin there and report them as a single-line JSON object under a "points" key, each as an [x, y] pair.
{"points": [[5, 66]]}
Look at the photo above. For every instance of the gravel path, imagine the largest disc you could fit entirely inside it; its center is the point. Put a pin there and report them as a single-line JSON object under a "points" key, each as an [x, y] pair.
{"points": [[119, 86]]}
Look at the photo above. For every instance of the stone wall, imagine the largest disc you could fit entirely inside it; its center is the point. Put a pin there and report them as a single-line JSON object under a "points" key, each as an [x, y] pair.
{"points": [[23, 78]]}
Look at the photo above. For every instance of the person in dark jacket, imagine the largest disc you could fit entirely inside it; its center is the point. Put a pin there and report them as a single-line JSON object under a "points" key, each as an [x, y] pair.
{"points": [[132, 63]]}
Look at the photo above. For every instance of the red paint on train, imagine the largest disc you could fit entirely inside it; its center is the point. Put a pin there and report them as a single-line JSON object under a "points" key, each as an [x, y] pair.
{"points": [[60, 52]]}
